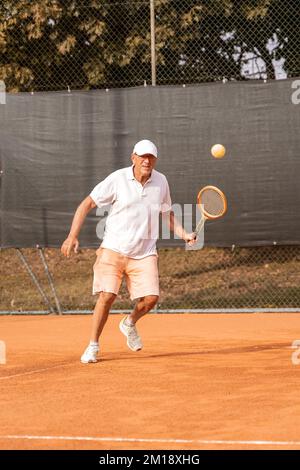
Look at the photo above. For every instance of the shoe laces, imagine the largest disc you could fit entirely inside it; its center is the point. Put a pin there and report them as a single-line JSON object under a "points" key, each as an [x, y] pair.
{"points": [[132, 332]]}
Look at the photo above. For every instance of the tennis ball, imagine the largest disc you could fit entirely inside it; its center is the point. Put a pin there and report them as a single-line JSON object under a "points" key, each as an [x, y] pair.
{"points": [[218, 151]]}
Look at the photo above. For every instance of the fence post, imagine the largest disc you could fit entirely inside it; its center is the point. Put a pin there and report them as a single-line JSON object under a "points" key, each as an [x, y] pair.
{"points": [[2, 92], [153, 56]]}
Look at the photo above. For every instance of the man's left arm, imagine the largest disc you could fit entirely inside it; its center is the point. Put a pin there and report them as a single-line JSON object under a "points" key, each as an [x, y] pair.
{"points": [[169, 216], [177, 228]]}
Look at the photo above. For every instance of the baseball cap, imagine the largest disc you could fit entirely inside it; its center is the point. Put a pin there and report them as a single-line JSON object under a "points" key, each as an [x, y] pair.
{"points": [[144, 147]]}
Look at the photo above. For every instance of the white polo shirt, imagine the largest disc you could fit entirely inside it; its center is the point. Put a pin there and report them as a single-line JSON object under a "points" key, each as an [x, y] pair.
{"points": [[132, 226]]}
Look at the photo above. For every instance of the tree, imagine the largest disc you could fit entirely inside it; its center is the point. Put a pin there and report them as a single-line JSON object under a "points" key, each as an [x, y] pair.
{"points": [[53, 44]]}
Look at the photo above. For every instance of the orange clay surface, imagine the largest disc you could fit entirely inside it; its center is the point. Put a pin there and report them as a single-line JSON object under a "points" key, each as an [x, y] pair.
{"points": [[211, 381]]}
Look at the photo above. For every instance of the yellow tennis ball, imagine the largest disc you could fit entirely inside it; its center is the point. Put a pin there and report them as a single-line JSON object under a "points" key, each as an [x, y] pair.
{"points": [[218, 151]]}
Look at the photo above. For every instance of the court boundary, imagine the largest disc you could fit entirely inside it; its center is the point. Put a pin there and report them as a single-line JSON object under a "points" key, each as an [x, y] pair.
{"points": [[154, 312], [151, 440], [36, 371]]}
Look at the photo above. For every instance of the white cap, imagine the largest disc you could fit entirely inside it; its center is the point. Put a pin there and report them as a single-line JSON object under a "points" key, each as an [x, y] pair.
{"points": [[144, 147]]}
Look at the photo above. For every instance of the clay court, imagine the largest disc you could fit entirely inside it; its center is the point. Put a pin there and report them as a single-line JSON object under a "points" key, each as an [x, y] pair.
{"points": [[217, 381]]}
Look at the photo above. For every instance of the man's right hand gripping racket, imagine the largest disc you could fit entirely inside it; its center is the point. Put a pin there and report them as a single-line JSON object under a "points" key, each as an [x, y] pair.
{"points": [[212, 203]]}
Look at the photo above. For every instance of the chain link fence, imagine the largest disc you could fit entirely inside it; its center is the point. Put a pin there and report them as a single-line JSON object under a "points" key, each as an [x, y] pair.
{"points": [[50, 45], [212, 279], [88, 44]]}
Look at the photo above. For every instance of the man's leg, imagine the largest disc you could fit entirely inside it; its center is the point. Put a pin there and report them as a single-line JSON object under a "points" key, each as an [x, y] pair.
{"points": [[143, 306], [100, 315], [141, 277], [101, 311], [108, 272], [127, 325]]}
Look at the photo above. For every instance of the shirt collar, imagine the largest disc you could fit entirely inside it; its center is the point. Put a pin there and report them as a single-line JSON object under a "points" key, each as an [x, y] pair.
{"points": [[130, 174]]}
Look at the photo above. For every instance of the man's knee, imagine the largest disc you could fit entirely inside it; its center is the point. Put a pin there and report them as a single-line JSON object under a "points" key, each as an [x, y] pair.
{"points": [[150, 301], [106, 298]]}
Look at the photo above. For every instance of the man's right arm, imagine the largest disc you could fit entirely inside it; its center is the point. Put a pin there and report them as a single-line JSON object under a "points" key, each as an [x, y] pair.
{"points": [[79, 217]]}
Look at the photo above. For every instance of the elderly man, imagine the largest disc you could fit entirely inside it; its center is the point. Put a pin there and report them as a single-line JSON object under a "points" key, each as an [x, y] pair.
{"points": [[137, 194]]}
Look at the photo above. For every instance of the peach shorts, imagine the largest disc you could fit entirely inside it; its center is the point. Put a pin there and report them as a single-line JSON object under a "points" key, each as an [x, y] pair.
{"points": [[141, 274]]}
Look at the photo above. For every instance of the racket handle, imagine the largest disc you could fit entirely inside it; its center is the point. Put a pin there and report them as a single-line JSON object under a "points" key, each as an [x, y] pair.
{"points": [[200, 226]]}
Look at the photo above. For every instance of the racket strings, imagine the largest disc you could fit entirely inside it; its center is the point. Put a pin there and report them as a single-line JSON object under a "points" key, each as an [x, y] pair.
{"points": [[213, 203]]}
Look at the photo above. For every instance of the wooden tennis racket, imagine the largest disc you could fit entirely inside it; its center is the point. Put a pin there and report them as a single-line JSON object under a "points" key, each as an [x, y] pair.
{"points": [[212, 204]]}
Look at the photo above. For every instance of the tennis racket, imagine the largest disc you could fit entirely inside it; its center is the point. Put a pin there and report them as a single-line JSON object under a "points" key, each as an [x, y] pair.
{"points": [[212, 204]]}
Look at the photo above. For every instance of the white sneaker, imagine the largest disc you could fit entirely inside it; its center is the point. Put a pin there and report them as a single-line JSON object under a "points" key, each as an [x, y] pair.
{"points": [[90, 354], [133, 340]]}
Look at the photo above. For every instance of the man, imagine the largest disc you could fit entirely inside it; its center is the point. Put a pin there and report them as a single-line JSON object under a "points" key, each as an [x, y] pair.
{"points": [[137, 195]]}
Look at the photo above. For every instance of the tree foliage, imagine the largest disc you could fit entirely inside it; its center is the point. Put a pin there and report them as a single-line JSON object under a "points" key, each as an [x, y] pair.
{"points": [[53, 44]]}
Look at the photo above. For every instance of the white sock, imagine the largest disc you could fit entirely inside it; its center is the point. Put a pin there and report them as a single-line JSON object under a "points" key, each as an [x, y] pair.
{"points": [[128, 322], [94, 344]]}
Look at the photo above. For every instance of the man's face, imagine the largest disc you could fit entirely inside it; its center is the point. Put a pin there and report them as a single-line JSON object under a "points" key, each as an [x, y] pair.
{"points": [[144, 164]]}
